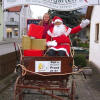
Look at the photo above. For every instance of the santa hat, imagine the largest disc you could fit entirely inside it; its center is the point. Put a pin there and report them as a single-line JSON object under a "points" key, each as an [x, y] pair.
{"points": [[57, 19]]}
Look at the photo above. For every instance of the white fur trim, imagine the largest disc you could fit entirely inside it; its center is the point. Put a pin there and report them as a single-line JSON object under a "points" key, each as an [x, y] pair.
{"points": [[58, 20], [60, 49], [52, 43], [49, 33], [48, 43], [68, 31]]}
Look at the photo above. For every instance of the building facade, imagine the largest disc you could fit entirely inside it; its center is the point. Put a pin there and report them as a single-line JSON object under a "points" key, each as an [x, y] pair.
{"points": [[1, 22], [11, 25], [94, 56], [25, 14], [15, 21]]}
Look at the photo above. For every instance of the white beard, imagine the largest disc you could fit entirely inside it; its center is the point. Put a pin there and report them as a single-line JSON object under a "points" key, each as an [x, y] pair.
{"points": [[59, 30]]}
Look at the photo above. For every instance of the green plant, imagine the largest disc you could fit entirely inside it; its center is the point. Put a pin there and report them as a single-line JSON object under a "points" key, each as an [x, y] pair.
{"points": [[80, 60], [85, 45]]}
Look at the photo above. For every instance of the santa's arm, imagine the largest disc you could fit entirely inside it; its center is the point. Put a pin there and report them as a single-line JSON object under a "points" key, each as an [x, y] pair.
{"points": [[76, 29], [48, 38], [83, 24]]}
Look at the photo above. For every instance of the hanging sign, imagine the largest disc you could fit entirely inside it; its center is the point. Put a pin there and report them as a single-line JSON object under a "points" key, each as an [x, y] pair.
{"points": [[63, 5], [32, 21], [47, 66]]}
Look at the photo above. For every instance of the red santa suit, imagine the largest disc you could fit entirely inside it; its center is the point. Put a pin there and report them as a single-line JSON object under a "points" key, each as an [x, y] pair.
{"points": [[58, 35], [62, 39]]}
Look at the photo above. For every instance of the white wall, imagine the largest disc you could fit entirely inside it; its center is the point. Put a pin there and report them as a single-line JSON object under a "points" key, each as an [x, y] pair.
{"points": [[4, 27], [1, 23], [94, 55]]}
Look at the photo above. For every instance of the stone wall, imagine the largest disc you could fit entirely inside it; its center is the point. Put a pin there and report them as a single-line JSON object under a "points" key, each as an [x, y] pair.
{"points": [[7, 64]]}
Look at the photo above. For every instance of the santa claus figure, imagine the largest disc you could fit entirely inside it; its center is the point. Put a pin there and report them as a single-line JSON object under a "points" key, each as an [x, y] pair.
{"points": [[58, 37]]}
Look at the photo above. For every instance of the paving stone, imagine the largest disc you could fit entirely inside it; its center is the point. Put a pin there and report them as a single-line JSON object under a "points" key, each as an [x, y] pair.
{"points": [[86, 89]]}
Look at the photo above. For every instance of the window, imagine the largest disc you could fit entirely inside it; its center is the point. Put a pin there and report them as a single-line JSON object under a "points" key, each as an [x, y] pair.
{"points": [[12, 19], [97, 33], [15, 32], [9, 34]]}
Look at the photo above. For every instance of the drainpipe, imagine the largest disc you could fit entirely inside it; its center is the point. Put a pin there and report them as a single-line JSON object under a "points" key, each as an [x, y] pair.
{"points": [[19, 23]]}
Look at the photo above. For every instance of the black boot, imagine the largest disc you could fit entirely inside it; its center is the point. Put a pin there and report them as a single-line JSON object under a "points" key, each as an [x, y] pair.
{"points": [[51, 52], [61, 53]]}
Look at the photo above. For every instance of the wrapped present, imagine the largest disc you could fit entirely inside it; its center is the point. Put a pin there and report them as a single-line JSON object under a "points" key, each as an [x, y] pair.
{"points": [[38, 44], [33, 47], [35, 31], [33, 53], [26, 42]]}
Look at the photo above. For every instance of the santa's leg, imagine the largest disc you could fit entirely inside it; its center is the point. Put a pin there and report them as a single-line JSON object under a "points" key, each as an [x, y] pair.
{"points": [[51, 52], [61, 53]]}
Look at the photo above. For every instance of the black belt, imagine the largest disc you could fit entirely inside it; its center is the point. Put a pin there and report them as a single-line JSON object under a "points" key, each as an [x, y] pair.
{"points": [[64, 44]]}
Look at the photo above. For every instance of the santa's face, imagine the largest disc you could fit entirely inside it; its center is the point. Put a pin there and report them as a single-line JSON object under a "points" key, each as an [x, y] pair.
{"points": [[59, 30], [58, 23]]}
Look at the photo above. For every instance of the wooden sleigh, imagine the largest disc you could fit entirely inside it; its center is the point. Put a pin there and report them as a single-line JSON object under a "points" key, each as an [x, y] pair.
{"points": [[46, 75]]}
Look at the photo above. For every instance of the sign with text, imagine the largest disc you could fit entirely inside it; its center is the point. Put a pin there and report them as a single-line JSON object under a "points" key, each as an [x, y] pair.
{"points": [[32, 21], [47, 66], [62, 5]]}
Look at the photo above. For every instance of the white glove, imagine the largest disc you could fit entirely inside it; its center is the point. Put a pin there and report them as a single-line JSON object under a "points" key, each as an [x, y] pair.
{"points": [[52, 43], [32, 37], [84, 23]]}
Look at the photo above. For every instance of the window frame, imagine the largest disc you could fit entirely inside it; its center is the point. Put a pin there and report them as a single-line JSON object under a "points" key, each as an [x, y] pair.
{"points": [[97, 32], [11, 19]]}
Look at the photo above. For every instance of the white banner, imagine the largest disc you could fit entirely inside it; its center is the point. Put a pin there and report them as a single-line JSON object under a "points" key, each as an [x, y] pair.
{"points": [[47, 66], [62, 5]]}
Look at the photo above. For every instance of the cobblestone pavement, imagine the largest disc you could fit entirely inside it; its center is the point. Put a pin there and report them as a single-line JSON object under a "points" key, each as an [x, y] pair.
{"points": [[9, 45], [86, 89], [9, 48]]}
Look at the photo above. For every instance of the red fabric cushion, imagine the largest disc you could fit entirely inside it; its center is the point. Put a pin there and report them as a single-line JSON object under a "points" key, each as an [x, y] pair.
{"points": [[33, 53], [35, 31]]}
